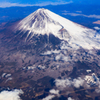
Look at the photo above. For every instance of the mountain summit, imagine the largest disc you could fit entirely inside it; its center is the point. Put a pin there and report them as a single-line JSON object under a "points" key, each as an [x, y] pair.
{"points": [[46, 22]]}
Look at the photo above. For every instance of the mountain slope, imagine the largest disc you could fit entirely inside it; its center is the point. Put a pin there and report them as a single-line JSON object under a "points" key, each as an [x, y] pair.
{"points": [[44, 22]]}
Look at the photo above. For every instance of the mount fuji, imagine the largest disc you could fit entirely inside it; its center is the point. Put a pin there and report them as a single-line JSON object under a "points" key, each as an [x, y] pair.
{"points": [[47, 55], [45, 22]]}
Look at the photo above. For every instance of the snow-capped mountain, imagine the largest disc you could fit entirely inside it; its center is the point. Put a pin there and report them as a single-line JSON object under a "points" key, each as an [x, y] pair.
{"points": [[46, 22]]}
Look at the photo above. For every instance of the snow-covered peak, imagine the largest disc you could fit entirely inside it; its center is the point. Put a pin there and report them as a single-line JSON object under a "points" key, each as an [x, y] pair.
{"points": [[44, 21], [39, 22]]}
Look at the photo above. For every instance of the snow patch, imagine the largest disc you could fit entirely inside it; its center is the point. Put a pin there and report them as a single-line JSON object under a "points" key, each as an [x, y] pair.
{"points": [[92, 80], [6, 75]]}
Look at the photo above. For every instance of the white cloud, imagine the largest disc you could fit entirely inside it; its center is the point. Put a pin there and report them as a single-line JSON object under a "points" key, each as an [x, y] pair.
{"points": [[50, 97], [77, 14], [62, 57], [97, 90], [79, 11], [58, 57], [98, 36], [78, 82], [96, 22], [64, 83], [53, 91], [53, 3], [72, 14], [93, 16], [8, 4], [51, 52], [64, 45], [69, 98], [11, 95], [96, 28], [86, 82]]}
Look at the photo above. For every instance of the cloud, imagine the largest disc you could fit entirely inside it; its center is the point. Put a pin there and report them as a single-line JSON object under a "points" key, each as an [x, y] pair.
{"points": [[93, 16], [97, 90], [87, 81], [62, 57], [64, 45], [63, 83], [96, 28], [52, 3], [51, 52], [98, 36], [97, 22], [78, 82], [69, 98], [68, 82], [53, 91], [78, 14], [8, 4], [11, 95], [49, 97], [79, 11], [72, 14], [59, 55]]}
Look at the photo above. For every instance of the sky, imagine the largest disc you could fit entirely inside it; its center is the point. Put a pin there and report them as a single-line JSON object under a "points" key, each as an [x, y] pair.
{"points": [[9, 3]]}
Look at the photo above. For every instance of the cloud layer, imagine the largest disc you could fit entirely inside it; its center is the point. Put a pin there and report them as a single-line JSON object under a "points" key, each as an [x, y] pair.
{"points": [[8, 4], [79, 14], [97, 22], [11, 95], [87, 81], [63, 83]]}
